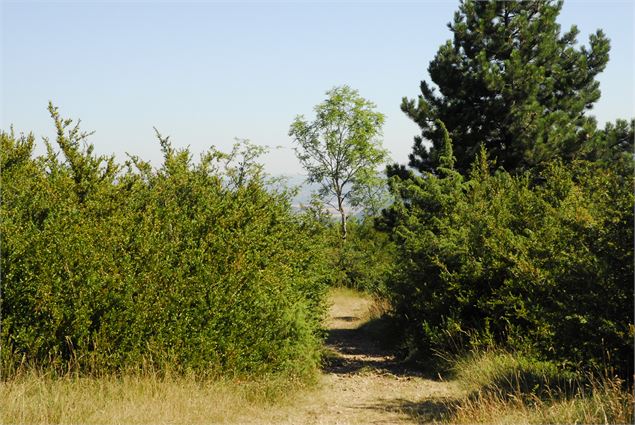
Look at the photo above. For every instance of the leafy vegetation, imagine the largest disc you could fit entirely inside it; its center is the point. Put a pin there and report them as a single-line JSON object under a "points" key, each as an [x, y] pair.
{"points": [[341, 151], [511, 81], [498, 259], [365, 261], [511, 233], [530, 250], [192, 266]]}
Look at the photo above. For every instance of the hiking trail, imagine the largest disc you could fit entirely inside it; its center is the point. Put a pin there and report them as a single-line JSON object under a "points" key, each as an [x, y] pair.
{"points": [[363, 383]]}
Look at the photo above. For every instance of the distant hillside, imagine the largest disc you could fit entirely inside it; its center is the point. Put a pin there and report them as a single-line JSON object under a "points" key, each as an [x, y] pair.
{"points": [[305, 190]]}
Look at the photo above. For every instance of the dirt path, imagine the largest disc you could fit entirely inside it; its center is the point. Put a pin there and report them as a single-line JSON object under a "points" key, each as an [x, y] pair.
{"points": [[364, 384]]}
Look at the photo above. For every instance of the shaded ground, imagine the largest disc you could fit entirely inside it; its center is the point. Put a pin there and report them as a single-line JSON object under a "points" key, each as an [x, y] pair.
{"points": [[363, 383], [353, 348]]}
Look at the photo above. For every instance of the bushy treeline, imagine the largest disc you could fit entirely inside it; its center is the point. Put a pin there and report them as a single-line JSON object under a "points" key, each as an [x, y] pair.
{"points": [[364, 260], [367, 258], [540, 262], [538, 255], [191, 266]]}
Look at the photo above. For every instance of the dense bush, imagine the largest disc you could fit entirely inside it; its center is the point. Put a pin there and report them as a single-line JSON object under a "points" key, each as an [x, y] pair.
{"points": [[542, 263], [192, 266], [364, 260]]}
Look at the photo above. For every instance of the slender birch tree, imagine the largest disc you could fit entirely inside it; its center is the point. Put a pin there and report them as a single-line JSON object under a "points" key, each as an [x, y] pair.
{"points": [[341, 150]]}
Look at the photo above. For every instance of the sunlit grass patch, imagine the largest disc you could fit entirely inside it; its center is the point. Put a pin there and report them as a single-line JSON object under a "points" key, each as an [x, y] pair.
{"points": [[37, 398], [505, 388]]}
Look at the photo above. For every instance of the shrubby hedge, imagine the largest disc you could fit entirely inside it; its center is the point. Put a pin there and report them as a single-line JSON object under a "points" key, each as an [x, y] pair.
{"points": [[539, 262], [364, 260], [191, 266]]}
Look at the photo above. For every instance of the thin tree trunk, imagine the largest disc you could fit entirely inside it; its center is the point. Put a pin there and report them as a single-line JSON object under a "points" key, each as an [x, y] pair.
{"points": [[343, 217]]}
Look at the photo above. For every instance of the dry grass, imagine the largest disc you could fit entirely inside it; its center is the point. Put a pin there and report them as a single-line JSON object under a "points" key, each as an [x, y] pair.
{"points": [[607, 403], [501, 388], [35, 398]]}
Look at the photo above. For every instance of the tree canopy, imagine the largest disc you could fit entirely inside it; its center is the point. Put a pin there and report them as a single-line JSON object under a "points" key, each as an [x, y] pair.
{"points": [[511, 81], [341, 150]]}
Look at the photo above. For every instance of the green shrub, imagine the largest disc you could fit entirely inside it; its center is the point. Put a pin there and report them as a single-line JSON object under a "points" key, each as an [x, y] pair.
{"points": [[365, 260], [193, 266], [543, 264]]}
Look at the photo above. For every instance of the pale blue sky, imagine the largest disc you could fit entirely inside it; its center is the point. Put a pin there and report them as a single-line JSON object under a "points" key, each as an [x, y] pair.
{"points": [[206, 72]]}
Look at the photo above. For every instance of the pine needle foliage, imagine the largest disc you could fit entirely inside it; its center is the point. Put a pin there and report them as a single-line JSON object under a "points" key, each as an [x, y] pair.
{"points": [[511, 80]]}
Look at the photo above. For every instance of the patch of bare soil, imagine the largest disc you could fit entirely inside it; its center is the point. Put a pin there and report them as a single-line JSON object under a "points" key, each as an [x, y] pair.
{"points": [[363, 383]]}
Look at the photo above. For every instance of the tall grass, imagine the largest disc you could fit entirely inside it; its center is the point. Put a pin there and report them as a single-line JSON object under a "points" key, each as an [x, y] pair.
{"points": [[501, 387], [40, 398]]}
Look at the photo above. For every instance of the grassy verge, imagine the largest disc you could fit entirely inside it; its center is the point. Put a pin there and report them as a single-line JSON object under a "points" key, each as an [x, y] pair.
{"points": [[37, 398], [501, 388]]}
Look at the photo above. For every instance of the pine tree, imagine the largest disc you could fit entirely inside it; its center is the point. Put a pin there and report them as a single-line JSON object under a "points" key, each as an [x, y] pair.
{"points": [[510, 81], [613, 147]]}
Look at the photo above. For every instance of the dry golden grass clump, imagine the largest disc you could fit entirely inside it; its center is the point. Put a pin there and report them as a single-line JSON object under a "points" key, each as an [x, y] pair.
{"points": [[39, 398], [502, 388]]}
